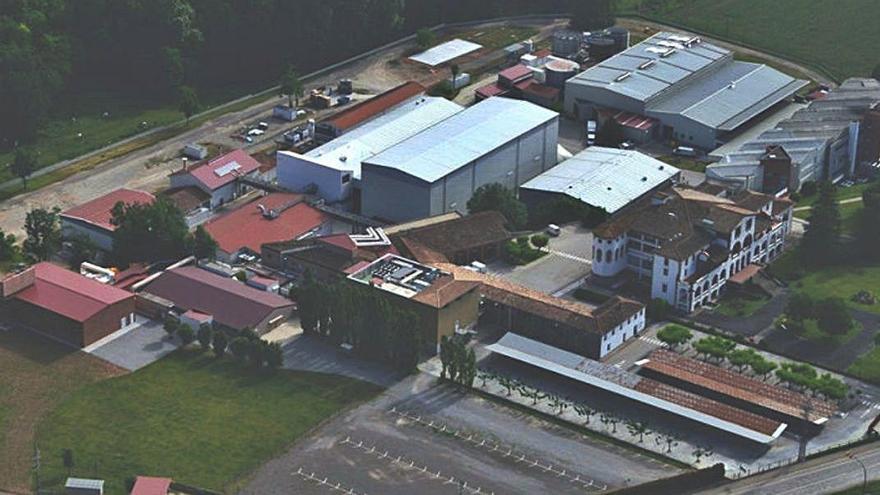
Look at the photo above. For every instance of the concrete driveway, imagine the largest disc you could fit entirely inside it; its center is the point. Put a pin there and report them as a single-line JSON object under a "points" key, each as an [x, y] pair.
{"points": [[137, 347]]}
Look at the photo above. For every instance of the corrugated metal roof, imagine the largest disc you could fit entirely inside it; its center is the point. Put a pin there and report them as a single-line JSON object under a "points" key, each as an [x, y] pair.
{"points": [[84, 484], [462, 138], [445, 52], [676, 401], [98, 211], [608, 178], [348, 151]]}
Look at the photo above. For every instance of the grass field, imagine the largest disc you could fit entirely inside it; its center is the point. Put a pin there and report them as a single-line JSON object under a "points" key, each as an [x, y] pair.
{"points": [[867, 367], [35, 376], [731, 305], [203, 422], [849, 214], [843, 193], [843, 282], [839, 36], [812, 333]]}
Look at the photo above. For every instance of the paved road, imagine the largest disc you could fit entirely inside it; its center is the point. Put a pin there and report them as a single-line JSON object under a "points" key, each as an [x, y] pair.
{"points": [[136, 348], [827, 474]]}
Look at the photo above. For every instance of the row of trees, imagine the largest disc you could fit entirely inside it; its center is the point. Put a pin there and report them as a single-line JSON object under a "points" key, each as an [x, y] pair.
{"points": [[346, 313], [246, 346], [459, 362], [831, 314], [145, 50]]}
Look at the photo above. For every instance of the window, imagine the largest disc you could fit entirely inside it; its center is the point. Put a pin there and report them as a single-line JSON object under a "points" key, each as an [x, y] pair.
{"points": [[666, 272], [665, 288], [346, 178], [665, 261], [738, 231], [609, 256], [607, 347], [749, 223]]}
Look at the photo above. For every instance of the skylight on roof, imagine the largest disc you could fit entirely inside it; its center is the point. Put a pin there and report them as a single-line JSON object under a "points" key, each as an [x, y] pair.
{"points": [[227, 169]]}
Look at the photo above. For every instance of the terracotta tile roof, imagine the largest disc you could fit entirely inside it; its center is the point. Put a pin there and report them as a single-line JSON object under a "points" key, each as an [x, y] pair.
{"points": [[572, 313], [490, 90], [441, 241], [97, 212], [752, 200], [230, 302], [69, 294], [736, 385], [247, 227], [187, 199], [218, 172], [515, 73], [365, 110], [443, 291]]}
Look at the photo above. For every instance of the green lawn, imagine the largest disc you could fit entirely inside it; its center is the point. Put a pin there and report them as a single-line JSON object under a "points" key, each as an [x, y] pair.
{"points": [[812, 333], [867, 367], [843, 193], [734, 306], [803, 30], [841, 281], [203, 422], [849, 214]]}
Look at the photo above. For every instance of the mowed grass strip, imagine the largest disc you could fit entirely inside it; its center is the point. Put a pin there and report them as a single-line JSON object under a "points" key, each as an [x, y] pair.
{"points": [[36, 374], [190, 417]]}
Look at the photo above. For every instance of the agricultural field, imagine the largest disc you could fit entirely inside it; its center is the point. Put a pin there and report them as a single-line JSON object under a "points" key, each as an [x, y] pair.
{"points": [[806, 31]]}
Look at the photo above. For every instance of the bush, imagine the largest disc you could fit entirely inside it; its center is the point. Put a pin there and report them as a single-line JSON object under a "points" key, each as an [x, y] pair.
{"points": [[540, 240], [171, 325], [219, 344], [205, 335], [521, 253], [674, 335], [186, 334], [239, 347]]}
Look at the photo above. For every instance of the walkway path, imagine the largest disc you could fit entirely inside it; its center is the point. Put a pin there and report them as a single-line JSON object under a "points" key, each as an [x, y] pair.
{"points": [[847, 201]]}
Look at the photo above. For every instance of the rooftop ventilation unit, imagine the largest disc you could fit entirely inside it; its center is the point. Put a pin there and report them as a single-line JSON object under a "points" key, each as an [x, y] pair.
{"points": [[667, 53], [647, 65], [622, 76], [670, 44], [373, 237]]}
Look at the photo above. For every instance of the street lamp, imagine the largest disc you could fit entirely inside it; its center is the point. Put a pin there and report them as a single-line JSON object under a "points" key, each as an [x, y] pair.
{"points": [[864, 470]]}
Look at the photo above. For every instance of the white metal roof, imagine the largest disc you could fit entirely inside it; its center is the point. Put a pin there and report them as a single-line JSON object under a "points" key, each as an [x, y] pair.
{"points": [[445, 52], [607, 178], [470, 134], [84, 484], [348, 151], [569, 364]]}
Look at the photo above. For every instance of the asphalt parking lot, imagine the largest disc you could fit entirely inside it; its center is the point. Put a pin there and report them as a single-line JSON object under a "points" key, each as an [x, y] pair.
{"points": [[427, 439], [561, 270], [135, 348]]}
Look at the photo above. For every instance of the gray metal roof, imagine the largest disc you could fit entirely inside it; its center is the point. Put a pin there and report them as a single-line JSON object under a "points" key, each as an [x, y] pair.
{"points": [[653, 65], [445, 52], [466, 136], [614, 381], [348, 151], [84, 484], [806, 132], [607, 178]]}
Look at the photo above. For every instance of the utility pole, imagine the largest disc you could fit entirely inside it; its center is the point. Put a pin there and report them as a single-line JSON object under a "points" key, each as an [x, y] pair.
{"points": [[852, 456], [802, 438]]}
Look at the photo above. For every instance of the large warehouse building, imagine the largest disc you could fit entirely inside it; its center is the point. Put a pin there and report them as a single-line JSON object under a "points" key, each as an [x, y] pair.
{"points": [[697, 92], [333, 170], [437, 170], [825, 140], [605, 178]]}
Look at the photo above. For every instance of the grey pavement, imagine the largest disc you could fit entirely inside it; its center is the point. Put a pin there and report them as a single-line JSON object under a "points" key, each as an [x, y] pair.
{"points": [[747, 326], [380, 448], [306, 353], [133, 350]]}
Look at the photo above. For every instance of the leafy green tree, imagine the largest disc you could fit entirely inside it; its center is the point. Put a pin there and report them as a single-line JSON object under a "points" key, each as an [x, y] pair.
{"points": [[255, 352], [292, 87], [239, 348], [43, 233], [82, 248], [205, 335], [833, 316], [149, 232], [820, 244], [743, 358], [540, 240], [867, 231], [762, 367], [610, 134], [495, 197], [425, 38], [830, 387], [800, 375], [638, 428], [591, 15], [23, 165], [714, 347], [799, 307], [674, 335], [203, 245], [218, 344], [8, 248], [188, 101], [185, 334], [274, 356], [171, 325]]}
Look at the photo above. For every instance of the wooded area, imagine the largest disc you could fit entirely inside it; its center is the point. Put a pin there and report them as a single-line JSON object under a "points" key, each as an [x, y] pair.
{"points": [[53, 51]]}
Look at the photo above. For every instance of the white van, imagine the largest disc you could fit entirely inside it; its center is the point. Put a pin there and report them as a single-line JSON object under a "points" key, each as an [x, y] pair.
{"points": [[684, 151], [554, 230]]}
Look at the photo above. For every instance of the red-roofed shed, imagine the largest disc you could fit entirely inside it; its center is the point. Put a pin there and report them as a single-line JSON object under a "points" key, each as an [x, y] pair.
{"points": [[66, 305], [92, 219], [219, 177], [149, 485]]}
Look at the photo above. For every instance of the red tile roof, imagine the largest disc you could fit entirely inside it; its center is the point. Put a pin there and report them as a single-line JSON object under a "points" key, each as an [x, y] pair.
{"points": [[543, 53], [367, 109], [148, 485], [634, 121], [515, 73], [231, 302], [490, 90], [69, 294], [246, 227], [208, 176], [97, 211]]}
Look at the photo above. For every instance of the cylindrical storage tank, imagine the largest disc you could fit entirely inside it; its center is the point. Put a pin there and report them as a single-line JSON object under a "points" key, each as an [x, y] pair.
{"points": [[559, 71], [566, 43], [620, 37], [609, 256], [602, 48]]}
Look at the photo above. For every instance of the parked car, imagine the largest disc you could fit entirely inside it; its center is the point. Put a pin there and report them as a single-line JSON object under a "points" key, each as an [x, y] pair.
{"points": [[592, 126], [554, 230], [684, 151], [627, 145], [256, 132], [263, 126]]}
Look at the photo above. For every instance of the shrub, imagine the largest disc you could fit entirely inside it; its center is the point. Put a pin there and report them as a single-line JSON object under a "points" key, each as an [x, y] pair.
{"points": [[674, 335], [715, 347], [219, 344], [186, 334], [205, 335], [239, 347], [171, 325], [540, 240]]}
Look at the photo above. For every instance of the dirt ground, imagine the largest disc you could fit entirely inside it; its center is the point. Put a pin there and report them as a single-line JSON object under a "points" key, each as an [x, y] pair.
{"points": [[36, 374]]}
